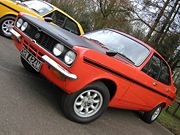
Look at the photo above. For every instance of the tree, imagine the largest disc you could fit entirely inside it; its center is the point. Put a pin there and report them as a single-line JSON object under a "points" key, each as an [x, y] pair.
{"points": [[160, 14], [166, 22], [110, 13], [169, 24], [174, 61]]}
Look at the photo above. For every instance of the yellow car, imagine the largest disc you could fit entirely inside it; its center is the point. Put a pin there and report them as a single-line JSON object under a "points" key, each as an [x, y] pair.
{"points": [[9, 9]]}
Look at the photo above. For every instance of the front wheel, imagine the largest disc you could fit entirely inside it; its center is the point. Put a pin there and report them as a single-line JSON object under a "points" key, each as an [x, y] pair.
{"points": [[152, 115], [87, 104], [5, 24]]}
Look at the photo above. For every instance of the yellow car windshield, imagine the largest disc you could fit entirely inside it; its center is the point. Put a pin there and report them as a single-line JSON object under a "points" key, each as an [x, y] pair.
{"points": [[38, 6]]}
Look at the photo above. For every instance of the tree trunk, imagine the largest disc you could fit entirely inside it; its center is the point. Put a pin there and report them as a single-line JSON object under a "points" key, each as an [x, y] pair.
{"points": [[156, 21], [175, 61], [165, 24], [167, 29]]}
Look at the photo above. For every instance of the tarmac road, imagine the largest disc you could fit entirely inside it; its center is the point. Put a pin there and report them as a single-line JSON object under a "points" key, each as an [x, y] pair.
{"points": [[29, 106]]}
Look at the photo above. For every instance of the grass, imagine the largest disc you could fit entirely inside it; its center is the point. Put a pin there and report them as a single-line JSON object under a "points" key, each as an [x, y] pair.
{"points": [[168, 120]]}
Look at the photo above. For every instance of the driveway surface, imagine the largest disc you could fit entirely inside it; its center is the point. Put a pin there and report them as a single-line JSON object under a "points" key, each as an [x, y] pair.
{"points": [[29, 106]]}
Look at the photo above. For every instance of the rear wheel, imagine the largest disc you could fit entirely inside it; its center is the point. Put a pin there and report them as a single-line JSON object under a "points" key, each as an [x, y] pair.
{"points": [[27, 66], [152, 115], [6, 23], [86, 104]]}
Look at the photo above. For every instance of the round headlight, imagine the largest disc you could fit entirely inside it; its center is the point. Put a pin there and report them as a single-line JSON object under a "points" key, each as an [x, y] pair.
{"points": [[69, 57], [19, 22], [24, 26], [58, 49]]}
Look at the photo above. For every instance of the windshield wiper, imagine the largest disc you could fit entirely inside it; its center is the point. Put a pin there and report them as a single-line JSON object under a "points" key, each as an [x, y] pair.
{"points": [[35, 10], [126, 57], [96, 41], [23, 4]]}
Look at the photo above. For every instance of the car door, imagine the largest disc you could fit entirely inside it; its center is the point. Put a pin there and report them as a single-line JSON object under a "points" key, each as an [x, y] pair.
{"points": [[146, 91]]}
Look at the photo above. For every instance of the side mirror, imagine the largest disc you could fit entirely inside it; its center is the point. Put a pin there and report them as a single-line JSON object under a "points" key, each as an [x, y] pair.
{"points": [[111, 53], [48, 19], [18, 2]]}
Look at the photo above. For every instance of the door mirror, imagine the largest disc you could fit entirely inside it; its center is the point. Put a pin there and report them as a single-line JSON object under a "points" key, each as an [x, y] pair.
{"points": [[48, 19], [111, 53], [18, 2]]}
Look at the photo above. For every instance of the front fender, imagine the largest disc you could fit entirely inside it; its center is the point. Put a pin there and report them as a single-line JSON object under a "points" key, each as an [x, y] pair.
{"points": [[88, 73]]}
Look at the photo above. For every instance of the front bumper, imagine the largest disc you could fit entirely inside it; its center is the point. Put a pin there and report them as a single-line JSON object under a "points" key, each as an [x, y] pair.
{"points": [[48, 60], [16, 34], [58, 67]]}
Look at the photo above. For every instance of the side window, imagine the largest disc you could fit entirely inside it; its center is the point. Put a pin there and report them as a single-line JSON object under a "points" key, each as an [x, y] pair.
{"points": [[152, 68], [64, 22], [58, 18], [164, 76], [71, 26]]}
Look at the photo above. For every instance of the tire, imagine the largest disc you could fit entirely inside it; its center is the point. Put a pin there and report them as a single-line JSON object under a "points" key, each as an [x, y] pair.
{"points": [[27, 66], [94, 96], [152, 115], [5, 23]]}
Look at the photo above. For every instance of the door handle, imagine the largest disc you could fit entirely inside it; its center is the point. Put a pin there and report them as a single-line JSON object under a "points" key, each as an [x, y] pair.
{"points": [[155, 84]]}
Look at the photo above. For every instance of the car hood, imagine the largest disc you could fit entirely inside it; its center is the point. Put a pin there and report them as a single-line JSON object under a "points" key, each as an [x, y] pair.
{"points": [[60, 34]]}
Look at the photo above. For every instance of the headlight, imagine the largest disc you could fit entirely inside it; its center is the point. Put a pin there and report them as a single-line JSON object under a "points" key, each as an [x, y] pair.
{"points": [[69, 57], [24, 26], [58, 49], [19, 23]]}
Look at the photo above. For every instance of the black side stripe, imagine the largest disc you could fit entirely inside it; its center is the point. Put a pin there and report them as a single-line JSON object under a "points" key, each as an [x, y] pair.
{"points": [[9, 7], [125, 77]]}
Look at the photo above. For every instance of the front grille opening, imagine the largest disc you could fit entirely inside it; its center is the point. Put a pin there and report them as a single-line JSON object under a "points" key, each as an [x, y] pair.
{"points": [[41, 38], [33, 50], [25, 42], [40, 54], [44, 40]]}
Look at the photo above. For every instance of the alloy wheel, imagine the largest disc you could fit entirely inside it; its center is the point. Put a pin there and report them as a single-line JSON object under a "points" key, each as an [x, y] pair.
{"points": [[88, 103]]}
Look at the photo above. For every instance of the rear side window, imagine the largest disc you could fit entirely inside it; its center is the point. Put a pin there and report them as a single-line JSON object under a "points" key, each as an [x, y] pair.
{"points": [[157, 69], [58, 18], [165, 74], [64, 22], [71, 26], [152, 68]]}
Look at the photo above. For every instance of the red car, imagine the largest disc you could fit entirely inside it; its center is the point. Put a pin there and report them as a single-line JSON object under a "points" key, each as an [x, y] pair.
{"points": [[99, 69]]}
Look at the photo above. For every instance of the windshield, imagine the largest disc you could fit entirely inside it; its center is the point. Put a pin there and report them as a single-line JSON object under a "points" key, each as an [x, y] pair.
{"points": [[38, 6], [121, 44]]}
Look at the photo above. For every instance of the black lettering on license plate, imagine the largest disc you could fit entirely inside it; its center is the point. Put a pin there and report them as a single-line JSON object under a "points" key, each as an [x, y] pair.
{"points": [[31, 59]]}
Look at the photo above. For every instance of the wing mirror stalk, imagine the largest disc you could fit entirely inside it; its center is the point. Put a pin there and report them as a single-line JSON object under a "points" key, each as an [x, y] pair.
{"points": [[48, 19], [111, 53]]}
